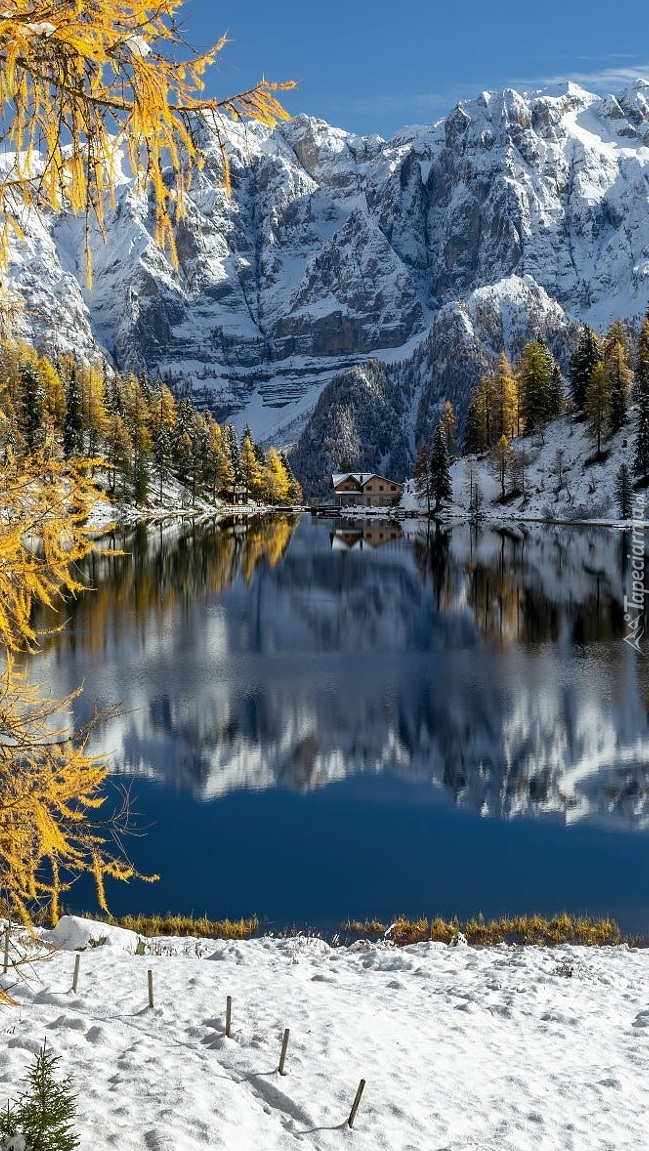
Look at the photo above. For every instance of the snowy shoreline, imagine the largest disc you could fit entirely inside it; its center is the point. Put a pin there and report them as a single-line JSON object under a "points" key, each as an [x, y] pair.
{"points": [[507, 1048], [107, 517], [489, 518]]}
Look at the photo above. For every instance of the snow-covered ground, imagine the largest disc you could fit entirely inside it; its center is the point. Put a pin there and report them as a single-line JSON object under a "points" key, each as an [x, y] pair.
{"points": [[562, 479], [504, 1049], [174, 503]]}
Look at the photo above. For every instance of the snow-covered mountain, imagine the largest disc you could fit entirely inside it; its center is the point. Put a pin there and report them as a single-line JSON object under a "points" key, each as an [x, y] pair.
{"points": [[429, 251]]}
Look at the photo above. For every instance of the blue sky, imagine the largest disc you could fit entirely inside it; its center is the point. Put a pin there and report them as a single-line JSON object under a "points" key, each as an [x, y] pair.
{"points": [[370, 66]]}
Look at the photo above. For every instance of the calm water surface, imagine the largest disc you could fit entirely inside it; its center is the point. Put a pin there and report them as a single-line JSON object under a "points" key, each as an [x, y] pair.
{"points": [[324, 721]]}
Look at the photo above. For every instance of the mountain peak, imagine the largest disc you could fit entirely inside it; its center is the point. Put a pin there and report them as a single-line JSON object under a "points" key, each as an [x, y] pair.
{"points": [[559, 89], [336, 247]]}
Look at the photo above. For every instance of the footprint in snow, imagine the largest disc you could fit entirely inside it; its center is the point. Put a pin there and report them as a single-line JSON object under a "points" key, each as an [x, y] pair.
{"points": [[213, 1022], [96, 1035], [67, 1022], [51, 998], [213, 1042], [158, 1141], [31, 1045]]}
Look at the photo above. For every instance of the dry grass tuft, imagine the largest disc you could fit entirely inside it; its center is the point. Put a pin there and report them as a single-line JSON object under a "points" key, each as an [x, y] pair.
{"points": [[524, 929], [187, 925]]}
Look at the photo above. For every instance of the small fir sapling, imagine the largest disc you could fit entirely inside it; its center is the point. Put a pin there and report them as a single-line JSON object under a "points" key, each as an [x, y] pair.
{"points": [[41, 1119], [10, 1139]]}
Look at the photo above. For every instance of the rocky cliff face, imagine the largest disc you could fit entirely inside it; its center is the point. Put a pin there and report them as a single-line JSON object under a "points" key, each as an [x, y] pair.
{"points": [[428, 252], [360, 416]]}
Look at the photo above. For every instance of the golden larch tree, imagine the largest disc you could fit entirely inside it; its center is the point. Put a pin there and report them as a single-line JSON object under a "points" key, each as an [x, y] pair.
{"points": [[49, 784], [276, 480], [79, 77], [253, 475], [79, 80]]}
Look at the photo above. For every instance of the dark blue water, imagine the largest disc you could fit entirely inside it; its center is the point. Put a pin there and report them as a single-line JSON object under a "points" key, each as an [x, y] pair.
{"points": [[321, 725]]}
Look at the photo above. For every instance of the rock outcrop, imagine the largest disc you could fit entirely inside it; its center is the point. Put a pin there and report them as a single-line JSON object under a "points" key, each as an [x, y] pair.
{"points": [[429, 252]]}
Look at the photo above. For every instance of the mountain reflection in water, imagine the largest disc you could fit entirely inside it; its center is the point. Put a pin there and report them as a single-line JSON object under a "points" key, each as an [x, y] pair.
{"points": [[488, 664]]}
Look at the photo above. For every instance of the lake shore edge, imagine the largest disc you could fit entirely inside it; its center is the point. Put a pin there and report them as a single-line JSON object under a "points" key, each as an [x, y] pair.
{"points": [[516, 930]]}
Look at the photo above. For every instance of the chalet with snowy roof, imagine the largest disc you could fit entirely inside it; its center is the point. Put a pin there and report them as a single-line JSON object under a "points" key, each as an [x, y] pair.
{"points": [[238, 494], [364, 489]]}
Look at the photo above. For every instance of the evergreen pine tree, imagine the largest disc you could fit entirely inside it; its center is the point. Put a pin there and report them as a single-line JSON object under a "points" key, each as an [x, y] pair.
{"points": [[44, 1113], [258, 451], [202, 446], [162, 419], [73, 421], [112, 392], [642, 359], [556, 393], [136, 397], [162, 454], [9, 1129], [534, 378], [477, 430], [232, 448], [182, 439], [502, 459], [598, 404], [474, 492], [623, 491], [440, 475], [619, 376], [140, 475], [518, 471], [33, 406], [421, 475], [118, 449], [586, 355], [641, 458], [259, 454]]}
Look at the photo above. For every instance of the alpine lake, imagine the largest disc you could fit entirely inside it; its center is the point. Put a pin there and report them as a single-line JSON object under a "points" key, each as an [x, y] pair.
{"points": [[323, 719]]}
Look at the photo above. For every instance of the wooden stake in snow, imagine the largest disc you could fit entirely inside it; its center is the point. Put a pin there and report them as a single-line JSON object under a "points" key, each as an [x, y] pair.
{"points": [[352, 1113], [283, 1054], [150, 979], [228, 1016], [6, 962], [75, 977]]}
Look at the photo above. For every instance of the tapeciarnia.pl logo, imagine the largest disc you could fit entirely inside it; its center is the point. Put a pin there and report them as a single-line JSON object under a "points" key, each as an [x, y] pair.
{"points": [[634, 605]]}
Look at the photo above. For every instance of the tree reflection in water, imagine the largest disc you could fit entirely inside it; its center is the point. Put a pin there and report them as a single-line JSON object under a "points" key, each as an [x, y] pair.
{"points": [[264, 655]]}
